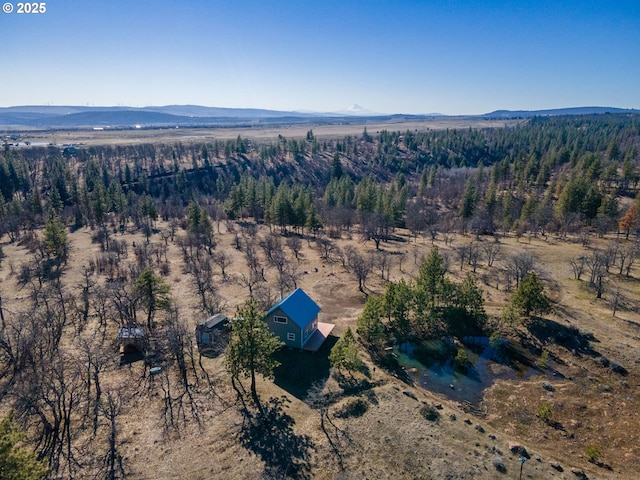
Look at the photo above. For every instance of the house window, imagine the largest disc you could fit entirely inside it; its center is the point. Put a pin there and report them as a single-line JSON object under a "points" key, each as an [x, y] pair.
{"points": [[280, 319], [291, 336]]}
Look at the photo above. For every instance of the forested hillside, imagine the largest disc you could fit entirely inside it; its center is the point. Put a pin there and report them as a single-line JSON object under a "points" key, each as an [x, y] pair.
{"points": [[558, 174]]}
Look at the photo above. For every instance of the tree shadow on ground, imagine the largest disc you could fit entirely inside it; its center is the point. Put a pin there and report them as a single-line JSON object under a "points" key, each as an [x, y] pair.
{"points": [[569, 337], [271, 437], [300, 369], [556, 425], [600, 464], [130, 357], [356, 386]]}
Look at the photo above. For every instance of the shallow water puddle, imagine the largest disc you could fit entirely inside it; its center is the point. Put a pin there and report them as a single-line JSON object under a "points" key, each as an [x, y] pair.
{"points": [[431, 365]]}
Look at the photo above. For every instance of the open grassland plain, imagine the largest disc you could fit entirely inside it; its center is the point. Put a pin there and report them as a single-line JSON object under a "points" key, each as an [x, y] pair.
{"points": [[327, 425], [257, 132]]}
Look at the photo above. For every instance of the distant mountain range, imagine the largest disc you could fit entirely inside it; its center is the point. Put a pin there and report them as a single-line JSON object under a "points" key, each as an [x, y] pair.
{"points": [[557, 111], [171, 115], [44, 117]]}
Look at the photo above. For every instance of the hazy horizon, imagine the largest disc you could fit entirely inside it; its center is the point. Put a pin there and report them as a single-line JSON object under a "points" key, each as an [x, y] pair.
{"points": [[410, 57], [346, 112]]}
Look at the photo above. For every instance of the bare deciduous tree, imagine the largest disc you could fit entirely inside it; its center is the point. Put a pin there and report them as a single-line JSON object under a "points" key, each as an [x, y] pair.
{"points": [[627, 254], [616, 299], [474, 255], [491, 252], [611, 253], [101, 306], [382, 261], [360, 265], [462, 251], [223, 261], [251, 255], [201, 271], [249, 280], [596, 265], [518, 266], [374, 227], [326, 247], [292, 274], [125, 301], [271, 245], [49, 399], [278, 260], [295, 245], [433, 233], [578, 265], [401, 258]]}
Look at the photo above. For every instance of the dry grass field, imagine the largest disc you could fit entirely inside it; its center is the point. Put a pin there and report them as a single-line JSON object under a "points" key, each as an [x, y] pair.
{"points": [[257, 132], [378, 426]]}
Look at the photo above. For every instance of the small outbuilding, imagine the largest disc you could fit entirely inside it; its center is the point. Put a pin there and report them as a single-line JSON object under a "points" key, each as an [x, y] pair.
{"points": [[131, 340], [212, 332], [294, 320]]}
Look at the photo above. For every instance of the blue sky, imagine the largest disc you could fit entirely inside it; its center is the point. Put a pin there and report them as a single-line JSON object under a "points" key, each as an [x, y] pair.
{"points": [[453, 57]]}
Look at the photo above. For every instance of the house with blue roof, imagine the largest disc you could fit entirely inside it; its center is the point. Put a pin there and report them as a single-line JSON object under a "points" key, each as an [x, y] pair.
{"points": [[294, 320]]}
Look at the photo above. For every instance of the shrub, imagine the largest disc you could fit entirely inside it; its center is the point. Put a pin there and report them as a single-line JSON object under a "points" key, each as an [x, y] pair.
{"points": [[494, 340], [429, 413], [545, 411], [592, 453], [498, 464], [543, 361], [354, 408], [165, 269], [462, 360]]}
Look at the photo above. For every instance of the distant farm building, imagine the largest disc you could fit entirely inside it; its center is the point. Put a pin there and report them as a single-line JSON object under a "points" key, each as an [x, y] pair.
{"points": [[294, 320]]}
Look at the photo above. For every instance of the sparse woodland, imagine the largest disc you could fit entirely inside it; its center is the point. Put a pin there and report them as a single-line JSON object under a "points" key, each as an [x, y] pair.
{"points": [[506, 232]]}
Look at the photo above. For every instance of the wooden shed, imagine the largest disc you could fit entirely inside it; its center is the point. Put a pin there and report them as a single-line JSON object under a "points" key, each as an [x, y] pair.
{"points": [[213, 332], [131, 339]]}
